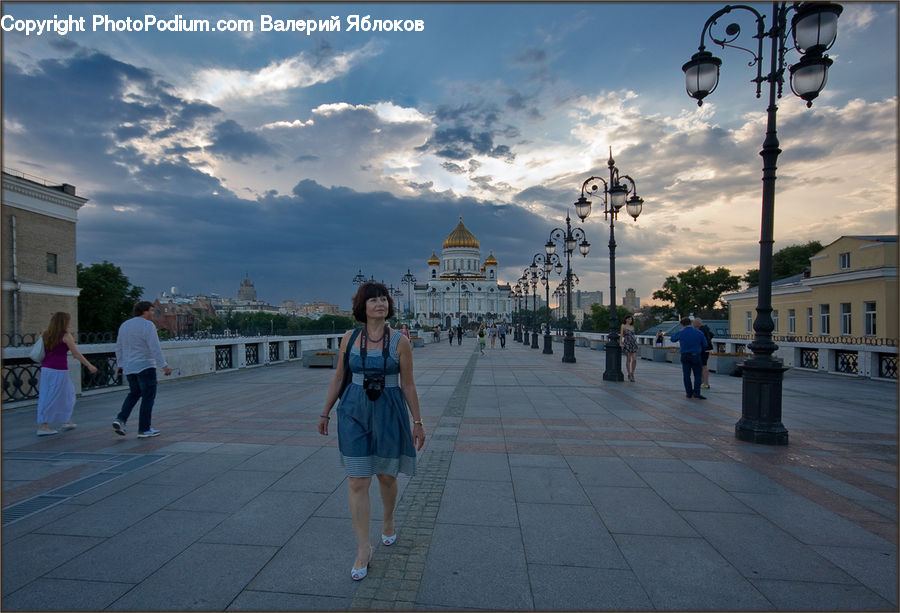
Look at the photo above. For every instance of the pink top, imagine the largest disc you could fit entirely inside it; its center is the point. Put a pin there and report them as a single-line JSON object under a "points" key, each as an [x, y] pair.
{"points": [[56, 357]]}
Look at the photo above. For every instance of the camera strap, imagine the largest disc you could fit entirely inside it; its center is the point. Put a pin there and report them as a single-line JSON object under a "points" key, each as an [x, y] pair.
{"points": [[385, 349]]}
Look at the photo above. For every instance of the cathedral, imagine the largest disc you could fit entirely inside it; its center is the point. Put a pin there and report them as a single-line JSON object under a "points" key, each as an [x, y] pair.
{"points": [[460, 288]]}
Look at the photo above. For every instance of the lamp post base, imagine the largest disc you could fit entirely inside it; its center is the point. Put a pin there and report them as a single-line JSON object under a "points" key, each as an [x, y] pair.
{"points": [[760, 420], [525, 340], [548, 344], [569, 350], [534, 340], [613, 370]]}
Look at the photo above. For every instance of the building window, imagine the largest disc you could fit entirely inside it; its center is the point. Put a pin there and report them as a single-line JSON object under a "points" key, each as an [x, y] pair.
{"points": [[869, 318], [792, 321], [51, 263], [844, 260], [434, 274], [846, 316], [809, 320], [824, 319], [749, 321], [775, 320]]}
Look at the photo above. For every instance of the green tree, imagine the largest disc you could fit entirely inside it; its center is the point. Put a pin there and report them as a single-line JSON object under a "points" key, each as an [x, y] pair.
{"points": [[786, 262], [107, 297], [600, 316], [697, 290]]}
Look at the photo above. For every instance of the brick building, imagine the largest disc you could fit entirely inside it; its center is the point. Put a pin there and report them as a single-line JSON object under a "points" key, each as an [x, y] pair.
{"points": [[38, 258]]}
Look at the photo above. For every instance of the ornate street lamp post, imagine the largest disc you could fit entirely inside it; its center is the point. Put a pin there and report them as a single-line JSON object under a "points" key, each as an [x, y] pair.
{"points": [[534, 275], [359, 278], [569, 239], [409, 279], [814, 29], [615, 195], [523, 281], [544, 263], [516, 292]]}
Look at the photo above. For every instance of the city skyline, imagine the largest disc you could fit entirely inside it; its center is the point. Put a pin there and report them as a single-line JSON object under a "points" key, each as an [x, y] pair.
{"points": [[303, 158]]}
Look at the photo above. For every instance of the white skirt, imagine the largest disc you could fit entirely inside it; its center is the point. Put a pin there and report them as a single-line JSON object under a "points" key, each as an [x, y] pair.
{"points": [[56, 397]]}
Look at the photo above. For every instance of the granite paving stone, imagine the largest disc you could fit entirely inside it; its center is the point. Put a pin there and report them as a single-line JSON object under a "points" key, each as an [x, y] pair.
{"points": [[116, 560], [215, 575], [541, 487], [636, 510], [567, 535], [688, 574], [575, 588]]}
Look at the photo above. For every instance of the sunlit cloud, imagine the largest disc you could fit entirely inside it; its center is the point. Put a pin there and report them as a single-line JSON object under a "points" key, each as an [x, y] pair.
{"points": [[302, 70]]}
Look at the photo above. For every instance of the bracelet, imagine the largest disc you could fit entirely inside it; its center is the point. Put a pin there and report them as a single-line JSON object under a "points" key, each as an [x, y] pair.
{"points": [[418, 421], [326, 417]]}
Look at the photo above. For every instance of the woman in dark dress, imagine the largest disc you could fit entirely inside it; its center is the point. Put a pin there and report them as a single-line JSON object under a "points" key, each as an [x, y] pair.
{"points": [[374, 434]]}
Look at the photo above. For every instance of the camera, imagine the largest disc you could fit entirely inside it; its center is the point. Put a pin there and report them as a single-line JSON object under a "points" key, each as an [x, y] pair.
{"points": [[373, 384]]}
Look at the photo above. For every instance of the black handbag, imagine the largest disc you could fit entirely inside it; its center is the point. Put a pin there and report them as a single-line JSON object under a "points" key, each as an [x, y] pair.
{"points": [[345, 381]]}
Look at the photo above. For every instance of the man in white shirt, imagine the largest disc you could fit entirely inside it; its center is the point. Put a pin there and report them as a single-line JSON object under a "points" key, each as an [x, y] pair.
{"points": [[138, 355]]}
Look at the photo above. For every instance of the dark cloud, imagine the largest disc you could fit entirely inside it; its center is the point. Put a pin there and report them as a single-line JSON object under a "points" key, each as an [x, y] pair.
{"points": [[301, 246], [232, 141], [470, 129], [306, 158], [453, 168], [532, 55], [87, 110]]}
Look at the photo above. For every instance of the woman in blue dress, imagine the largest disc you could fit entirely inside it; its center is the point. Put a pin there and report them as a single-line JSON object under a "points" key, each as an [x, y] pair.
{"points": [[374, 435]]}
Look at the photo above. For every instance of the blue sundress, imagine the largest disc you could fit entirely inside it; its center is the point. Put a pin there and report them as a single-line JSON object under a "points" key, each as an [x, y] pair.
{"points": [[374, 438]]}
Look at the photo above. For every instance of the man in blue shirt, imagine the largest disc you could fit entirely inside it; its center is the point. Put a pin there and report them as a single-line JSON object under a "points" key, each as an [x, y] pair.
{"points": [[692, 342]]}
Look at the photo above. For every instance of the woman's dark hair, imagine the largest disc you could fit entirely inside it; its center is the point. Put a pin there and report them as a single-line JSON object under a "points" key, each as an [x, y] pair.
{"points": [[370, 289], [59, 324], [627, 317]]}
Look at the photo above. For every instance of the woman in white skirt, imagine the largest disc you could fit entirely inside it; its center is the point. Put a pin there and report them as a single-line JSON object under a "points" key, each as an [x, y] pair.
{"points": [[56, 395]]}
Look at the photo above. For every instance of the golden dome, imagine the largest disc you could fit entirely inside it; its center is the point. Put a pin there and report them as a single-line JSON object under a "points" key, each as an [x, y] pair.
{"points": [[491, 260], [461, 237], [433, 260]]}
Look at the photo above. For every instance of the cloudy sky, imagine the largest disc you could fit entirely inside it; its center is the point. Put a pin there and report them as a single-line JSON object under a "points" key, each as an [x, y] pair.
{"points": [[301, 158]]}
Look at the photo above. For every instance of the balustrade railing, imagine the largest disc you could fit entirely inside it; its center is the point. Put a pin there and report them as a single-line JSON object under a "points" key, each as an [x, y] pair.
{"points": [[825, 340], [223, 357], [887, 365], [251, 354], [107, 374], [20, 379]]}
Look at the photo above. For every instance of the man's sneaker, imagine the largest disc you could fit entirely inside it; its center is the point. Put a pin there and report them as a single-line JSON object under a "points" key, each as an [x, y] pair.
{"points": [[119, 427], [148, 433]]}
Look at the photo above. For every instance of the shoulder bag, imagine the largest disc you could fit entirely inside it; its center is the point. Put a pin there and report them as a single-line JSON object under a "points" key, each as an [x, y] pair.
{"points": [[37, 350]]}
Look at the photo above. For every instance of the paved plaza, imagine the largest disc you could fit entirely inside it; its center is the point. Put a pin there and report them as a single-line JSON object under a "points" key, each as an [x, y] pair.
{"points": [[541, 487]]}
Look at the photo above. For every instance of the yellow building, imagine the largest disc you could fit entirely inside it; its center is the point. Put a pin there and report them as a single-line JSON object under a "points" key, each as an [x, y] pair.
{"points": [[849, 294]]}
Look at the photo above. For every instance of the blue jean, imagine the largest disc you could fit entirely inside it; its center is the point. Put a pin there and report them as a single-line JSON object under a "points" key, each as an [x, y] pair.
{"points": [[141, 386], [691, 363]]}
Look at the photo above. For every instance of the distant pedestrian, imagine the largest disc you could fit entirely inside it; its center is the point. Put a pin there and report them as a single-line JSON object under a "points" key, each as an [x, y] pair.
{"points": [[692, 342], [628, 342], [404, 330], [459, 334], [501, 332], [482, 338], [138, 355], [660, 338], [704, 356], [437, 334], [451, 333], [493, 334], [56, 394], [373, 416]]}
